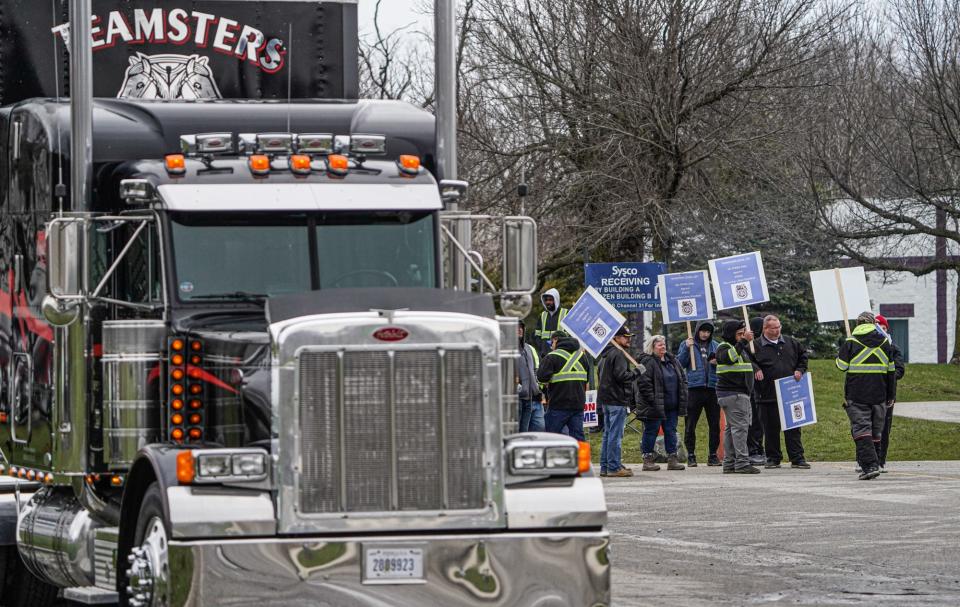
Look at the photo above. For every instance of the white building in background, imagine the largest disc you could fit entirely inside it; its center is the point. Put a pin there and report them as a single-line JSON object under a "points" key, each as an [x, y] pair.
{"points": [[922, 311]]}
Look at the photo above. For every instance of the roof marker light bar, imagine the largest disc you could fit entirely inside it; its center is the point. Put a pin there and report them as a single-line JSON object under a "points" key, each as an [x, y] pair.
{"points": [[207, 143], [133, 191], [368, 145], [275, 143], [315, 143]]}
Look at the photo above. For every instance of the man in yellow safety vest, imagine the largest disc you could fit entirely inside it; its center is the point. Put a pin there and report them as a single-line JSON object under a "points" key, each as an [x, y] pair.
{"points": [[565, 377], [549, 320], [870, 386]]}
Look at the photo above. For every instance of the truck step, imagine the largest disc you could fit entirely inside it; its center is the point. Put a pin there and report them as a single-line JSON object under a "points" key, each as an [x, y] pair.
{"points": [[91, 595]]}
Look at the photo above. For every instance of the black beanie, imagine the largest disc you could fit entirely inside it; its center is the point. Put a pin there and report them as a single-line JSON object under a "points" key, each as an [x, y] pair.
{"points": [[730, 328]]}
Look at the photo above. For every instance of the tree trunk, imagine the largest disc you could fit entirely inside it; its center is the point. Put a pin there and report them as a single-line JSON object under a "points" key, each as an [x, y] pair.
{"points": [[955, 357]]}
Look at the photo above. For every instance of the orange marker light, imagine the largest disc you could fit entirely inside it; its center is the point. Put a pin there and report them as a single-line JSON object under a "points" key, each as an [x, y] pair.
{"points": [[177, 404], [259, 164], [177, 389], [48, 479], [196, 373], [196, 389], [177, 434], [409, 164], [31, 475], [195, 418], [177, 344], [177, 374], [195, 404], [300, 163], [176, 164], [177, 419], [196, 433], [116, 481], [583, 457], [338, 164], [177, 359], [196, 346], [194, 360], [186, 471]]}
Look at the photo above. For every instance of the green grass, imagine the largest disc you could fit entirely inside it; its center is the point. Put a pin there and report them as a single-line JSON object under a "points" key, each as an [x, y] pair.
{"points": [[829, 439]]}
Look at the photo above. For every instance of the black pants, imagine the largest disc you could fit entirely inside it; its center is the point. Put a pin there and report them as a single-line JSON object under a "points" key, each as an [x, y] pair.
{"points": [[702, 400], [885, 437], [771, 432], [755, 434]]}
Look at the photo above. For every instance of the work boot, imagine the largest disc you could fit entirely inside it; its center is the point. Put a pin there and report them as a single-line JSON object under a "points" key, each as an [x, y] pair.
{"points": [[621, 473], [648, 463], [869, 474], [692, 460], [747, 470], [771, 464], [673, 463], [713, 460], [801, 464], [867, 456]]}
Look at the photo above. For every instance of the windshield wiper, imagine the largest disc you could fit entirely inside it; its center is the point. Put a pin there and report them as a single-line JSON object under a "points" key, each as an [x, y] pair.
{"points": [[236, 296]]}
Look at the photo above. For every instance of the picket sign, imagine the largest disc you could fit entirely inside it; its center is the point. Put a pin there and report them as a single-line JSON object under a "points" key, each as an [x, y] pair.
{"points": [[838, 290], [593, 321], [739, 281], [685, 297], [590, 419]]}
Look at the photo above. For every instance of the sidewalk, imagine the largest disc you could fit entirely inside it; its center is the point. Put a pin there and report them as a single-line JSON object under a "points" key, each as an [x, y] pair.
{"points": [[941, 411]]}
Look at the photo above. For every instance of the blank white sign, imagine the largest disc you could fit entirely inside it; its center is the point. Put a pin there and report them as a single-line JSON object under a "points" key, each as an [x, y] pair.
{"points": [[827, 295]]}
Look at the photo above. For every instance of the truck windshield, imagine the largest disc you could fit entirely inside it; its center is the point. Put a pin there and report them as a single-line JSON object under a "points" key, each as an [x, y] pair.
{"points": [[251, 257]]}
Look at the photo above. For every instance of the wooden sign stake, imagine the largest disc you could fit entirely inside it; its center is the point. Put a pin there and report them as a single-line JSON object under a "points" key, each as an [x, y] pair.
{"points": [[843, 300], [746, 319], [693, 359]]}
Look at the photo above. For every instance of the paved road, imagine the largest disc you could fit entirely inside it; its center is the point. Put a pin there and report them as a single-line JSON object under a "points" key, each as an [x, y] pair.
{"points": [[787, 537], [939, 411]]}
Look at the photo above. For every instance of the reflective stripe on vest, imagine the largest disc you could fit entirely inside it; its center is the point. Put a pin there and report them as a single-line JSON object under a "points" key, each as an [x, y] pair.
{"points": [[543, 333], [739, 365], [572, 370], [536, 357], [858, 364]]}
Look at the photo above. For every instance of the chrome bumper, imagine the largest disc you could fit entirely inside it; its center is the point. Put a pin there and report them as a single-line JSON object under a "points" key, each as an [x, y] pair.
{"points": [[544, 569]]}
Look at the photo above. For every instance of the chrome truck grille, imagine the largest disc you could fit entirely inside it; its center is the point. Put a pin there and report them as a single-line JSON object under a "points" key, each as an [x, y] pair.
{"points": [[391, 430]]}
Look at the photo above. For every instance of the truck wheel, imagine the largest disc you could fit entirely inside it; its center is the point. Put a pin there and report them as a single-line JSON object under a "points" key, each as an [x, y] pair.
{"points": [[22, 588], [148, 578]]}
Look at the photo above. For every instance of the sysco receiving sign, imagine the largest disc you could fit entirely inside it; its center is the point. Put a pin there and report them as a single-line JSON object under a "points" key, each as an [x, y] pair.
{"points": [[628, 286]]}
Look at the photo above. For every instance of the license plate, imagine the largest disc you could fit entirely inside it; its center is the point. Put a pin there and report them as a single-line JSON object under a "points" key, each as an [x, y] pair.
{"points": [[393, 566]]}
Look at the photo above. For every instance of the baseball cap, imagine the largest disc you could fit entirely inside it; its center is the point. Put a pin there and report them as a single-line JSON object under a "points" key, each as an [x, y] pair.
{"points": [[624, 331], [882, 321]]}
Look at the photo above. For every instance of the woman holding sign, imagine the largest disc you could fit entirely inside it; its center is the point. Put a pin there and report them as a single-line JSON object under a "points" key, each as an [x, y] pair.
{"points": [[661, 400]]}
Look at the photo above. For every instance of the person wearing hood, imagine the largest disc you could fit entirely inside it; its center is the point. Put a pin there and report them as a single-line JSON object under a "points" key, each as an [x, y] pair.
{"points": [[901, 368], [866, 357], [661, 395], [615, 397], [563, 373], [529, 396], [549, 320], [755, 435], [701, 390], [734, 387]]}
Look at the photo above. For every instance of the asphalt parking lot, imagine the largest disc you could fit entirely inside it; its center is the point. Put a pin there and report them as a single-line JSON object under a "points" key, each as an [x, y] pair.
{"points": [[787, 537]]}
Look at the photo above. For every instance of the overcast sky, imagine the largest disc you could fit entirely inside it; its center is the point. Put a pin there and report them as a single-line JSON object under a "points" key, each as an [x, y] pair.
{"points": [[394, 14]]}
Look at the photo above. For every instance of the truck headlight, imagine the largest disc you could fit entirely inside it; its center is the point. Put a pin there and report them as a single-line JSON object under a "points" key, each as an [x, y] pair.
{"points": [[224, 465], [545, 455]]}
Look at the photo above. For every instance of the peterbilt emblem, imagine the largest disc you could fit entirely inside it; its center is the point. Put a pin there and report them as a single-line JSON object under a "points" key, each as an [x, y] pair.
{"points": [[391, 334]]}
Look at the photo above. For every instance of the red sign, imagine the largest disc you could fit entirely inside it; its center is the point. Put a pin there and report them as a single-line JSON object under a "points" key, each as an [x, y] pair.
{"points": [[391, 334]]}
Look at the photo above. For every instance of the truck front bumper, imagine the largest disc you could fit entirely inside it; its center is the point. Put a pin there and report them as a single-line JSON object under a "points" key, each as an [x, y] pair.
{"points": [[549, 569]]}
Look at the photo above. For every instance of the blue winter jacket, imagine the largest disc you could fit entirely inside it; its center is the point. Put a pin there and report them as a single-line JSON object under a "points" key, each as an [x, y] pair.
{"points": [[706, 374]]}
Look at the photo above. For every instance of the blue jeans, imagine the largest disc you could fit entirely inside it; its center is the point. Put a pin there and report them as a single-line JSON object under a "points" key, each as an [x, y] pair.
{"points": [[558, 419], [614, 419], [651, 427], [531, 416]]}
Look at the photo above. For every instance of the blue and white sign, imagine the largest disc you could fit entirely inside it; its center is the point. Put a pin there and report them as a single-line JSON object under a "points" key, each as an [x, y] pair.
{"points": [[590, 419], [593, 321], [739, 281], [795, 398], [628, 286], [685, 296]]}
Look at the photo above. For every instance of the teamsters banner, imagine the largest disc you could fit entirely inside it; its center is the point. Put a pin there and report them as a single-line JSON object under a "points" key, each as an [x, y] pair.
{"points": [[185, 50]]}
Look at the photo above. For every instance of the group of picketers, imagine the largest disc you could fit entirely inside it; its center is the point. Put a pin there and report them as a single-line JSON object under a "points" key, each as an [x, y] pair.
{"points": [[736, 375]]}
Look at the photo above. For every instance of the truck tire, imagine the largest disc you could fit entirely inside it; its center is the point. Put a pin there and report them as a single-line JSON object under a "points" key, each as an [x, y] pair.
{"points": [[22, 589], [148, 576]]}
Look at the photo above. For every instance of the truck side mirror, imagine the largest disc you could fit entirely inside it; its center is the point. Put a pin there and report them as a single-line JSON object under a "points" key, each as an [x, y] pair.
{"points": [[519, 255], [64, 240]]}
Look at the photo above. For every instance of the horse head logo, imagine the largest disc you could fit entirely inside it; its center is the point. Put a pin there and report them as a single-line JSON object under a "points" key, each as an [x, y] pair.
{"points": [[169, 77]]}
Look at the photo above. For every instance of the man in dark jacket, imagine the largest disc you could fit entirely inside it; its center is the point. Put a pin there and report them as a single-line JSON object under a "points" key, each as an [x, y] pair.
{"points": [[755, 435], [565, 377], [615, 396], [529, 396], [869, 389], [734, 385], [901, 369], [778, 356], [701, 390], [661, 397]]}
